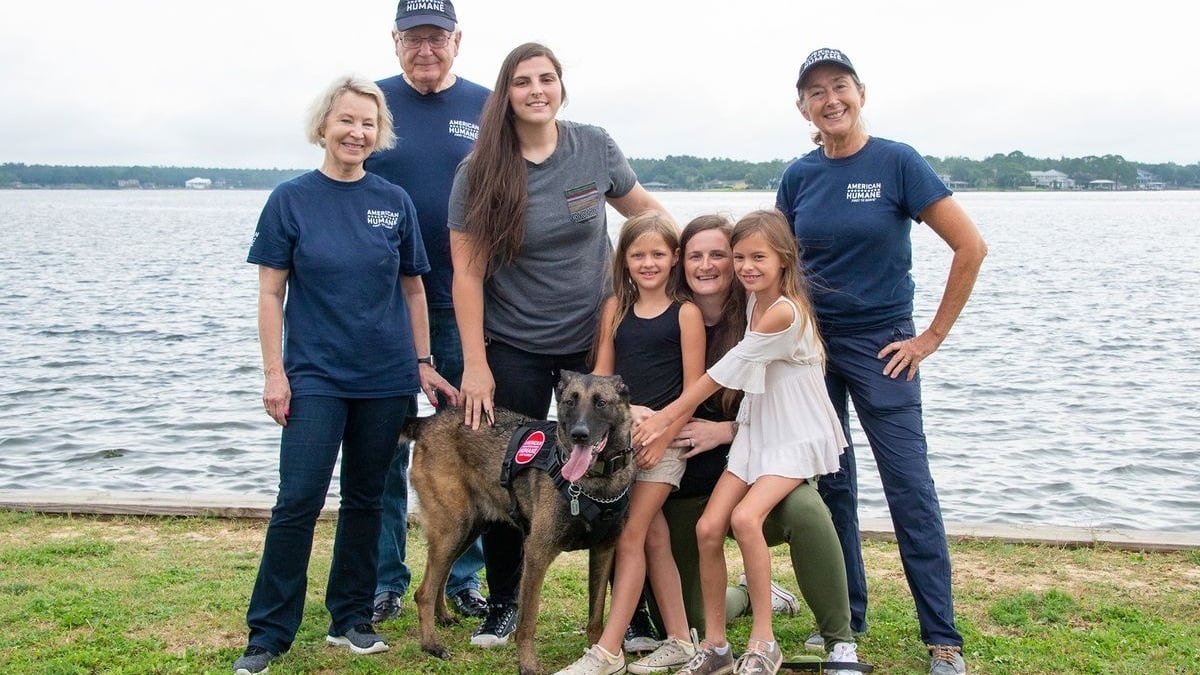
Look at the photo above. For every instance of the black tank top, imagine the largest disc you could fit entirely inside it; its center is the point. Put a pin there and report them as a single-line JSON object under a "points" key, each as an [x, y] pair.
{"points": [[648, 357]]}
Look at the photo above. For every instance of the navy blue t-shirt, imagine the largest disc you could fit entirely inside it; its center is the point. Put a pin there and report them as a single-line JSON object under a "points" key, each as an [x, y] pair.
{"points": [[433, 133], [346, 246], [852, 217]]}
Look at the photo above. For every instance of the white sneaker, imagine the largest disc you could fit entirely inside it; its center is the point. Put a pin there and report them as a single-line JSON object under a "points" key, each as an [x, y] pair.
{"points": [[782, 601], [843, 652], [672, 653], [596, 661]]}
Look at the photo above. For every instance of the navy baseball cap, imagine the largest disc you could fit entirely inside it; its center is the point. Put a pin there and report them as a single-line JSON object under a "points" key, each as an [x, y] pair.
{"points": [[413, 13], [822, 56]]}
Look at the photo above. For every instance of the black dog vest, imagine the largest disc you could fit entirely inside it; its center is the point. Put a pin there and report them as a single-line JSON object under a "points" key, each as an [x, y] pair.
{"points": [[534, 446]]}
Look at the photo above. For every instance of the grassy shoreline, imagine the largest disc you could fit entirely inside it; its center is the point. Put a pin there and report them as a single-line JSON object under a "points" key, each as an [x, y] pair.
{"points": [[94, 594]]}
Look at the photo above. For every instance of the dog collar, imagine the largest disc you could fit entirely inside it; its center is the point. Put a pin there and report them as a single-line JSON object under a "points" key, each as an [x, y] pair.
{"points": [[607, 467]]}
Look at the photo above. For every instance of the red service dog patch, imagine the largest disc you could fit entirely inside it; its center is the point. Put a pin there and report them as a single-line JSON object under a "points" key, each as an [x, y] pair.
{"points": [[530, 447]]}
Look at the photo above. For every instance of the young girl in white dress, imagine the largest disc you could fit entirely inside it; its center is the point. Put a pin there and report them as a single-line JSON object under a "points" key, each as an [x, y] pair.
{"points": [[787, 433]]}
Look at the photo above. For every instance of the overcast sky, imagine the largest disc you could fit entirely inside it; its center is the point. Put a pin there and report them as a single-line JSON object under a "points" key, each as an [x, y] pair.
{"points": [[224, 83]]}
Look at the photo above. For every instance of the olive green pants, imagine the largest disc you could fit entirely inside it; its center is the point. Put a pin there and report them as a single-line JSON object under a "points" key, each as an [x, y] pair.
{"points": [[802, 521]]}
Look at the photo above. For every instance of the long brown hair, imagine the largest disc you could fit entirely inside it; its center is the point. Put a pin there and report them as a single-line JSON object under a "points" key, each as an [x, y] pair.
{"points": [[625, 289], [732, 326], [774, 229], [499, 183]]}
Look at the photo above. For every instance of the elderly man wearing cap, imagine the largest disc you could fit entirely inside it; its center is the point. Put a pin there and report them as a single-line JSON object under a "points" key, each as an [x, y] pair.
{"points": [[436, 119], [851, 203]]}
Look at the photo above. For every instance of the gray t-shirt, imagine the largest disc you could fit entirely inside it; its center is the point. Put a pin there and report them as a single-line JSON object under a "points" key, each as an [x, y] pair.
{"points": [[548, 299]]}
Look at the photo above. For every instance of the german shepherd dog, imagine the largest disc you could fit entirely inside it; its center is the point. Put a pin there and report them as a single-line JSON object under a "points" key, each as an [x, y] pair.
{"points": [[456, 473]]}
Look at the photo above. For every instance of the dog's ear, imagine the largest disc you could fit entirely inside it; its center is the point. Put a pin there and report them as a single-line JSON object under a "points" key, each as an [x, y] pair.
{"points": [[622, 388], [564, 376]]}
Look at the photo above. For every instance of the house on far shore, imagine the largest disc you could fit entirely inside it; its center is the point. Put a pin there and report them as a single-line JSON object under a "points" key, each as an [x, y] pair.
{"points": [[1103, 184], [656, 186], [197, 183], [1052, 180], [1149, 181], [953, 184]]}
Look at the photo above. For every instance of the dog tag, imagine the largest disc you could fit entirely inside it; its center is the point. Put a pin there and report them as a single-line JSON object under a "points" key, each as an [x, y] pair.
{"points": [[574, 506]]}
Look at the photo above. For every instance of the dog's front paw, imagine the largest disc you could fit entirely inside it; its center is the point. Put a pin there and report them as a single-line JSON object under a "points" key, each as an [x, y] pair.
{"points": [[448, 620], [437, 650]]}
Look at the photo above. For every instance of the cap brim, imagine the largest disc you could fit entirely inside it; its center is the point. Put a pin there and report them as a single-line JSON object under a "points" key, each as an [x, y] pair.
{"points": [[804, 73], [410, 22]]}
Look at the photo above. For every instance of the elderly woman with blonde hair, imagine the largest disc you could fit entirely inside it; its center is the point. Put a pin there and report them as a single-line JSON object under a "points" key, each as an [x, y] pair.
{"points": [[343, 248]]}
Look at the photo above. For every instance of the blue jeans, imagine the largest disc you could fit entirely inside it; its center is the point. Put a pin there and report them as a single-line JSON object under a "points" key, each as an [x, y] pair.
{"points": [[365, 430], [889, 411], [393, 573], [524, 384]]}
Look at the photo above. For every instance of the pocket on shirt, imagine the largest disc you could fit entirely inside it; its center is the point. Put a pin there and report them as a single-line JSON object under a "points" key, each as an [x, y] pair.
{"points": [[583, 202]]}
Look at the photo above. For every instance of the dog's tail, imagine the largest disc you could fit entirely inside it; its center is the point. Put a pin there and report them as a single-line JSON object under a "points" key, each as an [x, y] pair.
{"points": [[412, 428]]}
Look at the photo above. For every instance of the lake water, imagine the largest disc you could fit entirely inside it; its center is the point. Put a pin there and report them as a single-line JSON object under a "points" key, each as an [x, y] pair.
{"points": [[1065, 394]]}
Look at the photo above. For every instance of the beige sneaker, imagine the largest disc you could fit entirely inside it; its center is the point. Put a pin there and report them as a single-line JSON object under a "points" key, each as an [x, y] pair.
{"points": [[672, 653], [596, 661], [708, 662], [759, 660]]}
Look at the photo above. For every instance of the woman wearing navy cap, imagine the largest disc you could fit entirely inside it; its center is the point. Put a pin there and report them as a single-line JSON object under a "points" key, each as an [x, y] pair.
{"points": [[851, 203]]}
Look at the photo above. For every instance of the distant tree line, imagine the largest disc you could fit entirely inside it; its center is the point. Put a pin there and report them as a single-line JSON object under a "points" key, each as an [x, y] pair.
{"points": [[1011, 171], [145, 177], [998, 172], [684, 172], [674, 172]]}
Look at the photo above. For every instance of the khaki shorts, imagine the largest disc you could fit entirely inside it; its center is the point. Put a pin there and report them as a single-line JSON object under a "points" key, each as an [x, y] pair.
{"points": [[668, 470]]}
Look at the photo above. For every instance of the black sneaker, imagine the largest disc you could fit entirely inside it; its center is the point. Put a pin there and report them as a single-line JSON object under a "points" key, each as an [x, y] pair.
{"points": [[469, 602], [641, 637], [500, 622], [362, 639], [253, 661], [387, 606]]}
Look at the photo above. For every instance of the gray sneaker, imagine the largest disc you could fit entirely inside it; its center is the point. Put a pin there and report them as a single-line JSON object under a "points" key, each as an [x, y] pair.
{"points": [[783, 602], [362, 639], [946, 660], [758, 660], [708, 662], [387, 606], [253, 661]]}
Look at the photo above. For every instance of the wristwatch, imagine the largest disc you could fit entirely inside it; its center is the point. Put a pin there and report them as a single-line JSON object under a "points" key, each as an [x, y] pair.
{"points": [[427, 359]]}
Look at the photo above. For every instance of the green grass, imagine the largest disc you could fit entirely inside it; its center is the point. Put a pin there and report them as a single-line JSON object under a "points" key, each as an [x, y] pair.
{"points": [[168, 595]]}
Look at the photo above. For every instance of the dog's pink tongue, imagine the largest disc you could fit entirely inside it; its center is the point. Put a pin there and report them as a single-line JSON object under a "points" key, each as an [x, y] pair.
{"points": [[578, 463]]}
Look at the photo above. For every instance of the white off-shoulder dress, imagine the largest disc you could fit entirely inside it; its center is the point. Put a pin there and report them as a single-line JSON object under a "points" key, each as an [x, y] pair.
{"points": [[787, 424]]}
